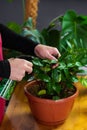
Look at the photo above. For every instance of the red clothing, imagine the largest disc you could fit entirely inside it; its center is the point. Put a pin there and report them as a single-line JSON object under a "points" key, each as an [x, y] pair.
{"points": [[1, 55]]}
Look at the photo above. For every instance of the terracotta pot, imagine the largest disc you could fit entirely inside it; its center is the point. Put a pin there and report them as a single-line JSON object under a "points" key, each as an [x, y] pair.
{"points": [[46, 111]]}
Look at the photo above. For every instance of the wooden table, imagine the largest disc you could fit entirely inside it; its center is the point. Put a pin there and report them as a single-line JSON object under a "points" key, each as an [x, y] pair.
{"points": [[18, 115]]}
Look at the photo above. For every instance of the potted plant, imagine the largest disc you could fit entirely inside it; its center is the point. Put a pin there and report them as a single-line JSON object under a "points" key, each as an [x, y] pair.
{"points": [[52, 92]]}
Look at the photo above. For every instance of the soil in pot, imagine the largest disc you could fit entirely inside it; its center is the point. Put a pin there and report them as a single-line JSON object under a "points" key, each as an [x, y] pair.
{"points": [[65, 91]]}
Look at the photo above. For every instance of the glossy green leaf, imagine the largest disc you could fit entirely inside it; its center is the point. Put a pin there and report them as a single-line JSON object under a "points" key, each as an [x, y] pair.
{"points": [[42, 92]]}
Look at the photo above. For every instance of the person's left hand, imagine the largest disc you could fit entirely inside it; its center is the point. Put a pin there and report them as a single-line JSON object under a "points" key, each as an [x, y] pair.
{"points": [[46, 52]]}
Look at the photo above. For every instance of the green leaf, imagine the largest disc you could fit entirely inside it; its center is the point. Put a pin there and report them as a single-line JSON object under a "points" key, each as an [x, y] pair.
{"points": [[14, 26], [62, 65], [55, 75], [30, 32], [56, 98], [69, 65], [41, 92], [74, 79], [54, 37], [83, 81], [10, 0], [73, 27], [37, 62], [56, 87], [43, 77], [78, 64], [29, 23]]}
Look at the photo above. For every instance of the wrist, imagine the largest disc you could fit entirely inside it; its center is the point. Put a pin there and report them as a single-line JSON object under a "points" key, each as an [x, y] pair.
{"points": [[5, 69]]}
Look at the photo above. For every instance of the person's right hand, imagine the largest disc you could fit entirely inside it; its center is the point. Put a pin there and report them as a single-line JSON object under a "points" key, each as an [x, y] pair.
{"points": [[19, 67]]}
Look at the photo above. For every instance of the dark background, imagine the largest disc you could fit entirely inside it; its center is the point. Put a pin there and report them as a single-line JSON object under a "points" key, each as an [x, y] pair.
{"points": [[48, 9]]}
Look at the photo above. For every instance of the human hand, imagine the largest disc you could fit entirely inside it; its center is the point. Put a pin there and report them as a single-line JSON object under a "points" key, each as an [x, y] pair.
{"points": [[19, 67], [47, 52]]}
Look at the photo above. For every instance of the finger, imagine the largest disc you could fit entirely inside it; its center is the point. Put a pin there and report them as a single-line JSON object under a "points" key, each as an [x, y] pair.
{"points": [[59, 54], [29, 63], [28, 69], [56, 56], [54, 66], [56, 53], [51, 57]]}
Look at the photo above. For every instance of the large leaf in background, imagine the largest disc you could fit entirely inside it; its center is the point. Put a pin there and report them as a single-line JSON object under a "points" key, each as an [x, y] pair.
{"points": [[51, 37], [9, 0], [15, 27], [54, 38], [30, 32], [74, 27], [29, 24]]}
